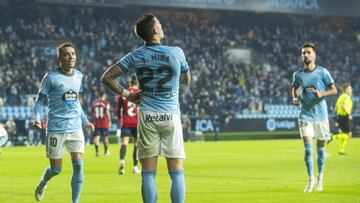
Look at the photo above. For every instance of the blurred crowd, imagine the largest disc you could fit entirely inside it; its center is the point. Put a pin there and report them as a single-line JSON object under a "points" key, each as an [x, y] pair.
{"points": [[220, 88]]}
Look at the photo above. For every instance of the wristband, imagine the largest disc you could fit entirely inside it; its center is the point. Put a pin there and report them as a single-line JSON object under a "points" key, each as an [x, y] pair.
{"points": [[125, 93]]}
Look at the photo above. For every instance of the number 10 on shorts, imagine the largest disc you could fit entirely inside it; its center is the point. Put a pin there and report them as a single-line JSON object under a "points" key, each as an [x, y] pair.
{"points": [[53, 141]]}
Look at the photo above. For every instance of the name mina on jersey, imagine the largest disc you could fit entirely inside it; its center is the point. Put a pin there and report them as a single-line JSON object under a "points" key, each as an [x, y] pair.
{"points": [[127, 112], [64, 112], [158, 68], [100, 116], [312, 108]]}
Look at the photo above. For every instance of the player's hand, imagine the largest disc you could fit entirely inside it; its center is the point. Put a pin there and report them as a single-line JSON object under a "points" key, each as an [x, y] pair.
{"points": [[89, 127], [350, 117], [296, 101], [37, 125], [317, 93], [134, 97]]}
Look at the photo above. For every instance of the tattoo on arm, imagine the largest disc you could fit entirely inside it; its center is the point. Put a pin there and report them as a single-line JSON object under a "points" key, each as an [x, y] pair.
{"points": [[109, 78]]}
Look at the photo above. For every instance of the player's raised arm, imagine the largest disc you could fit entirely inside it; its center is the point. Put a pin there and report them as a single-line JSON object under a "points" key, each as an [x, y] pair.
{"points": [[109, 80]]}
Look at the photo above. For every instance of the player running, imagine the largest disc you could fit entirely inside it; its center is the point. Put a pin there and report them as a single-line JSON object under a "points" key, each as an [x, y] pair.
{"points": [[60, 88], [310, 86]]}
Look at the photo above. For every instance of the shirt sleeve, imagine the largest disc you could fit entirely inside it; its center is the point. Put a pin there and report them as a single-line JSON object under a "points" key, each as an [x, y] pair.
{"points": [[81, 87], [81, 76], [39, 106], [183, 62], [41, 98], [328, 80], [347, 104], [45, 85], [295, 83], [126, 62], [84, 119]]}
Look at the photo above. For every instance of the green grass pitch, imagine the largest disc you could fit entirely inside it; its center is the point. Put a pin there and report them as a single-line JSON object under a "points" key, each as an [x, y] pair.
{"points": [[219, 172]]}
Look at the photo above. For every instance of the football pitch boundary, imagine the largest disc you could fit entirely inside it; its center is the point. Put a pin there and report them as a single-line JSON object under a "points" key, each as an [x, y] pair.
{"points": [[231, 171], [252, 135]]}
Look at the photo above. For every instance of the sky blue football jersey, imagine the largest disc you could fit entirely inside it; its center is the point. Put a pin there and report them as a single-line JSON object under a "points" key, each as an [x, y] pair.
{"points": [[312, 108], [158, 69], [64, 112]]}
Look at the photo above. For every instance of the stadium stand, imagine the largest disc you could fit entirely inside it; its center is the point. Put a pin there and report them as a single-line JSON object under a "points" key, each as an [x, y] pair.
{"points": [[259, 89]]}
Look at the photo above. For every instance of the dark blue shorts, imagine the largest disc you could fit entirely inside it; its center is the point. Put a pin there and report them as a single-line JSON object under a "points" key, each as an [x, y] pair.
{"points": [[102, 132], [127, 132]]}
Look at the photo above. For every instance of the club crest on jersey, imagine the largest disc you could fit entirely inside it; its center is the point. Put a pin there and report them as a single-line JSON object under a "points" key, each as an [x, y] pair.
{"points": [[308, 91], [309, 88], [70, 97]]}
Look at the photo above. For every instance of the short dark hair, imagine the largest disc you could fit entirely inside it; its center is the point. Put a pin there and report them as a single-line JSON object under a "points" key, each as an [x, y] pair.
{"points": [[309, 44], [62, 45], [103, 93], [346, 85], [144, 25]]}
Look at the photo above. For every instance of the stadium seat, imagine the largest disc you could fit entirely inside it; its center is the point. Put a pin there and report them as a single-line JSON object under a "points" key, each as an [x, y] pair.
{"points": [[3, 113], [28, 111]]}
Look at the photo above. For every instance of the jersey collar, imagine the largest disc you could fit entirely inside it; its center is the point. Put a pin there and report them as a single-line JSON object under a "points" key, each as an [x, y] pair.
{"points": [[60, 71], [152, 44], [309, 71]]}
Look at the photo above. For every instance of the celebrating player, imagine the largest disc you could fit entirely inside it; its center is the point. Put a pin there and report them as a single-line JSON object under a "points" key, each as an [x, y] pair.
{"points": [[102, 122], [159, 70], [310, 86], [61, 88]]}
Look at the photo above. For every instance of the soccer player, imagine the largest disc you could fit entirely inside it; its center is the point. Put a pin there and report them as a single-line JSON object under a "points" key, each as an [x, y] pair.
{"points": [[127, 113], [65, 117], [102, 122], [3, 133], [343, 112], [310, 86], [159, 70]]}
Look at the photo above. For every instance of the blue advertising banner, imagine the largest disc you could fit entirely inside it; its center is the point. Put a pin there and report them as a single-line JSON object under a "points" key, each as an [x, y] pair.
{"points": [[309, 7]]}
